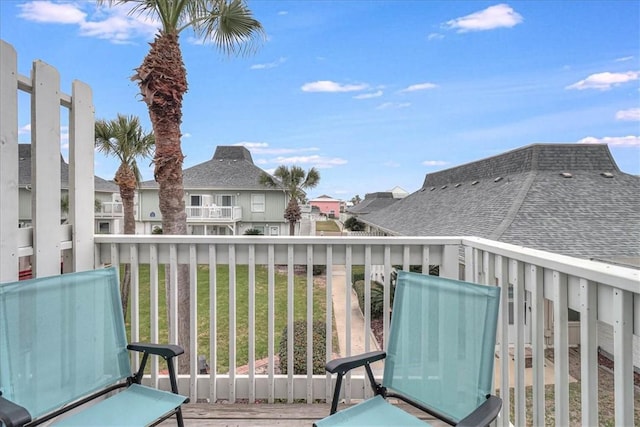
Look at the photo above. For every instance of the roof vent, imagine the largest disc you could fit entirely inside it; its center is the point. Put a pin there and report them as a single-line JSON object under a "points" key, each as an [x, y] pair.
{"points": [[443, 187], [566, 174], [475, 182], [498, 179], [432, 188], [607, 174], [458, 185]]}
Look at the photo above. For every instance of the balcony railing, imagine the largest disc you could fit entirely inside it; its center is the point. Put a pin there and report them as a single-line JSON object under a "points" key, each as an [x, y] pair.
{"points": [[110, 210], [214, 213], [603, 295]]}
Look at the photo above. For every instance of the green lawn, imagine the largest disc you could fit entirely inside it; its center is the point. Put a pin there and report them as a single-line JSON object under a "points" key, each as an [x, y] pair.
{"points": [[242, 310], [329, 226]]}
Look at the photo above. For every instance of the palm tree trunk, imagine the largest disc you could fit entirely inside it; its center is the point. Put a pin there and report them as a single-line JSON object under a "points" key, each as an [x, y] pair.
{"points": [[162, 81], [126, 180]]}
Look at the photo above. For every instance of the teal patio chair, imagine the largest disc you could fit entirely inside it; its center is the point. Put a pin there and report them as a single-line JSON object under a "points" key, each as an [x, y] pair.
{"points": [[63, 347], [439, 357]]}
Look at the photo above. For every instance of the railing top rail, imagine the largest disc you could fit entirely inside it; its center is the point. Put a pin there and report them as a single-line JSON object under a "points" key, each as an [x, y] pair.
{"points": [[621, 277]]}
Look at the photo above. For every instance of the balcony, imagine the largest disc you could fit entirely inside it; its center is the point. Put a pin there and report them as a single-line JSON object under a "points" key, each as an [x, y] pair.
{"points": [[538, 288], [214, 214], [109, 210]]}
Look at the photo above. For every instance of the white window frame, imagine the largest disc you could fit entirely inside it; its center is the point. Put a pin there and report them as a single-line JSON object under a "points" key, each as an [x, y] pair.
{"points": [[257, 205]]}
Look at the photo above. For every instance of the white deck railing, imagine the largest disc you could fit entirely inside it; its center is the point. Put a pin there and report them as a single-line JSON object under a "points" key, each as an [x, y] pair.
{"points": [[214, 213], [601, 293]]}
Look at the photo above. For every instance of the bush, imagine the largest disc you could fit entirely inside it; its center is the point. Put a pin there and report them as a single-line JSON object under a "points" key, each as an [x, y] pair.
{"points": [[353, 224], [377, 297], [300, 347], [253, 232], [356, 277], [319, 270]]}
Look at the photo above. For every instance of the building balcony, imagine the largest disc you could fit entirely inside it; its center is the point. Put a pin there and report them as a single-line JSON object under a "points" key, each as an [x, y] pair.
{"points": [[214, 214], [244, 288], [109, 210]]}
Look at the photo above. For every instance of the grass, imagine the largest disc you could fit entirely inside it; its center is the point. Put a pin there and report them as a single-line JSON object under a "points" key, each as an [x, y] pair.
{"points": [[242, 310], [328, 226]]}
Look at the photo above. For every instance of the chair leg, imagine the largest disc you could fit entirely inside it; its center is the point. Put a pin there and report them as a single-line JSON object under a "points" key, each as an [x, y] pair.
{"points": [[179, 419]]}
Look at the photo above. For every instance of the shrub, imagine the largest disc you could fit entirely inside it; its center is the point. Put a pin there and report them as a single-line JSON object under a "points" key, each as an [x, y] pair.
{"points": [[377, 297], [319, 270], [300, 347], [356, 277], [253, 232], [353, 224]]}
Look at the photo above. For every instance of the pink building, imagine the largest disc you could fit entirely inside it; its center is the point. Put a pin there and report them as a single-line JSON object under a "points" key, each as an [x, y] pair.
{"points": [[327, 205]]}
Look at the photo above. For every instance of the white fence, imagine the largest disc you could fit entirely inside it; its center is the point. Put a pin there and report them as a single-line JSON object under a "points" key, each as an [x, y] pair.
{"points": [[45, 99], [601, 293]]}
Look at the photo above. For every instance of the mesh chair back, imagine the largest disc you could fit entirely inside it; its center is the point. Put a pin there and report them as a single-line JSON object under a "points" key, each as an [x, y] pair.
{"points": [[442, 342], [61, 338]]}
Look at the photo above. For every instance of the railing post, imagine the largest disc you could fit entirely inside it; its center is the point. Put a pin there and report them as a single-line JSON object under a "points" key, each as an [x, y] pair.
{"points": [[8, 163], [589, 352], [623, 356], [561, 347]]}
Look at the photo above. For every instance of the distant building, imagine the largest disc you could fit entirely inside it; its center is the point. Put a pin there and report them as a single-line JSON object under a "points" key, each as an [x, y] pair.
{"points": [[327, 205], [223, 196]]}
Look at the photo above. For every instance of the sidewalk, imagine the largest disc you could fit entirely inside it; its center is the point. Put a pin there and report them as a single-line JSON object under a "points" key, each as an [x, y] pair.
{"points": [[341, 310]]}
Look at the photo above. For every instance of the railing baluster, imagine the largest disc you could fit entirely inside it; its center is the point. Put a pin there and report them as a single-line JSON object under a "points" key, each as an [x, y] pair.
{"points": [[193, 322], [589, 352], [387, 295], [502, 280], [232, 323], [134, 296], [252, 323], [213, 323], [309, 324], [271, 320], [623, 356], [537, 323], [516, 276], [347, 351], [561, 347], [153, 310], [290, 319], [329, 320]]}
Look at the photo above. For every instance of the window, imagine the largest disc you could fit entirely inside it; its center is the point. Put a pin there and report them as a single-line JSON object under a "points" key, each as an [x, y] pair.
{"points": [[196, 200], [257, 203], [104, 228]]}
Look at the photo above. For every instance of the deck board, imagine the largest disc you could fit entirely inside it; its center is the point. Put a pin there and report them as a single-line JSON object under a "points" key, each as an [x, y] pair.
{"points": [[277, 414]]}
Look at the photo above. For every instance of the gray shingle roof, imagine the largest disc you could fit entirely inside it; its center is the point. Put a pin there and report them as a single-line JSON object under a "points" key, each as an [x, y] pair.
{"points": [[231, 168], [24, 172], [373, 202], [587, 215]]}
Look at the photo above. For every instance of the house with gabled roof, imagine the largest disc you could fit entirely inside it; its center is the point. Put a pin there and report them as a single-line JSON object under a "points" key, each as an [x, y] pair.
{"points": [[223, 196], [327, 205], [373, 202], [571, 199]]}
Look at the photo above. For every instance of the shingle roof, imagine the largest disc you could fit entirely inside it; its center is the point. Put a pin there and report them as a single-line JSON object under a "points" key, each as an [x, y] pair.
{"points": [[373, 202], [231, 168], [24, 172], [521, 197]]}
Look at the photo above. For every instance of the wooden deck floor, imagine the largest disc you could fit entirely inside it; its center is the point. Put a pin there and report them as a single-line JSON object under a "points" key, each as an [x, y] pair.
{"points": [[262, 415]]}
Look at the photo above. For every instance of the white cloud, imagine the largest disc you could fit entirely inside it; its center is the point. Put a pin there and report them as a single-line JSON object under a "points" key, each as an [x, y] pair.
{"points": [[263, 148], [605, 81], [186, 135], [111, 23], [615, 141], [251, 145], [283, 12], [55, 13], [433, 163], [369, 95], [316, 161], [268, 65], [26, 129], [393, 105], [498, 16], [435, 36], [632, 115], [330, 86], [420, 86], [624, 59]]}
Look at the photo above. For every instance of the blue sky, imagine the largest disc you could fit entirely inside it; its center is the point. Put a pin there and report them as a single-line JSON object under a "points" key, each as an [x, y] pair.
{"points": [[375, 94]]}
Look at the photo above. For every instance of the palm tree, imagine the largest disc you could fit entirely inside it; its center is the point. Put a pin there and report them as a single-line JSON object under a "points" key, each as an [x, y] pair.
{"points": [[124, 138], [295, 180], [229, 25]]}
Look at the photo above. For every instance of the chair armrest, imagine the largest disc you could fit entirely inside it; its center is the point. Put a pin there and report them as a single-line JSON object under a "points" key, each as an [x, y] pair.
{"points": [[12, 414], [345, 364], [484, 414], [165, 350]]}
